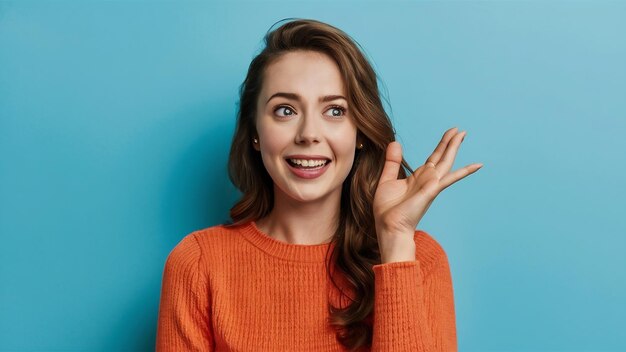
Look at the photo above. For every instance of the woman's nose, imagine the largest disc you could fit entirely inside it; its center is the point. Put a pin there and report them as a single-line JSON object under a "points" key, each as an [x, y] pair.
{"points": [[308, 129]]}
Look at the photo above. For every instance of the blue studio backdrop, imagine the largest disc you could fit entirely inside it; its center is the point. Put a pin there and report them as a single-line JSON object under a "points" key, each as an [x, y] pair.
{"points": [[116, 120]]}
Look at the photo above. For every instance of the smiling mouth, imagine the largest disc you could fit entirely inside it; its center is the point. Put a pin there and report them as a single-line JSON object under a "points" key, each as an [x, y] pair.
{"points": [[314, 166]]}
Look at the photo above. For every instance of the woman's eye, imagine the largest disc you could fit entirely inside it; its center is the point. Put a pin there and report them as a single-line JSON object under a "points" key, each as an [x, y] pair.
{"points": [[336, 111], [336, 108], [287, 109]]}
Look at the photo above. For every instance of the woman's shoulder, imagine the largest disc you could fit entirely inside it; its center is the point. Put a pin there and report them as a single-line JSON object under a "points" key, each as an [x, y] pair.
{"points": [[216, 235], [205, 243]]}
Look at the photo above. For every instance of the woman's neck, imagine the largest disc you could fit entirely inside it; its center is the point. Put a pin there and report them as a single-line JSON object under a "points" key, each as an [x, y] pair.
{"points": [[306, 223]]}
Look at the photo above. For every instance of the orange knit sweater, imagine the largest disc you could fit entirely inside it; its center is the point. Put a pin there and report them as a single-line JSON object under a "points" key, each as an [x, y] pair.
{"points": [[238, 289]]}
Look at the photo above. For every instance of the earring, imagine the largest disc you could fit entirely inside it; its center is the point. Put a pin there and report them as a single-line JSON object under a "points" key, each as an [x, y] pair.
{"points": [[361, 146], [255, 140]]}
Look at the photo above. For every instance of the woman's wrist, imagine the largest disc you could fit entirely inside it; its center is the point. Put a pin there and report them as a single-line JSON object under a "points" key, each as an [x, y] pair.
{"points": [[396, 248]]}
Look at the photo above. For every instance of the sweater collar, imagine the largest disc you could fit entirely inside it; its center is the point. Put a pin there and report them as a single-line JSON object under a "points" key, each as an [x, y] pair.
{"points": [[293, 252]]}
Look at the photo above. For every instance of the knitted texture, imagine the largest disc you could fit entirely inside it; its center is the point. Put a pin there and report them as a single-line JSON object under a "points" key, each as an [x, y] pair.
{"points": [[238, 289]]}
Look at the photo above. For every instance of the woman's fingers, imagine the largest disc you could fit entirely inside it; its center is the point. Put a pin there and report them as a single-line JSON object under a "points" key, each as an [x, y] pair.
{"points": [[445, 163], [452, 177], [443, 157], [393, 159], [441, 147]]}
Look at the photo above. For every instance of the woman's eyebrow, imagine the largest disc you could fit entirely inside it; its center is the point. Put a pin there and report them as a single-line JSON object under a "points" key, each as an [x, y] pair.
{"points": [[297, 97]]}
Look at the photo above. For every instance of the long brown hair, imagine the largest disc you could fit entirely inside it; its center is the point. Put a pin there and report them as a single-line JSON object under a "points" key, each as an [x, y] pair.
{"points": [[356, 245]]}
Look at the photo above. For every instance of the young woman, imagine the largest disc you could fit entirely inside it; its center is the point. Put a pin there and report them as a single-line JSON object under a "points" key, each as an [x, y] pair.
{"points": [[322, 253]]}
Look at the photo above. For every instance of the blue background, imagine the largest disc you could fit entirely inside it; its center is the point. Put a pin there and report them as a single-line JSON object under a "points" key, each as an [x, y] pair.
{"points": [[116, 120]]}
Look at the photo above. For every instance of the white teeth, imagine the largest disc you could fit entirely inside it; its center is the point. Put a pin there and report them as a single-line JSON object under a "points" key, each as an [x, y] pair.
{"points": [[309, 163]]}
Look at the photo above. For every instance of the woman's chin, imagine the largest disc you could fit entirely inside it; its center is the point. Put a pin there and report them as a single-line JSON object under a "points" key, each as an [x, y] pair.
{"points": [[308, 197], [306, 193]]}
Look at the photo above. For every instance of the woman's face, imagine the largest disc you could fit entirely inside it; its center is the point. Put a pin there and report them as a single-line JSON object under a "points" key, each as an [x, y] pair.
{"points": [[302, 125]]}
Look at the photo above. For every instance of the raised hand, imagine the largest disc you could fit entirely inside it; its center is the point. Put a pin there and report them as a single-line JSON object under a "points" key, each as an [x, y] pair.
{"points": [[399, 204]]}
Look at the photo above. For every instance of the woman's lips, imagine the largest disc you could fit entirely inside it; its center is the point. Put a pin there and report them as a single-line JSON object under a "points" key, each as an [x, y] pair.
{"points": [[308, 173]]}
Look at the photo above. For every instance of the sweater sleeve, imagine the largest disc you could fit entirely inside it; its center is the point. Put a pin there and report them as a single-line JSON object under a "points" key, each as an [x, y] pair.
{"points": [[414, 310], [184, 322]]}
